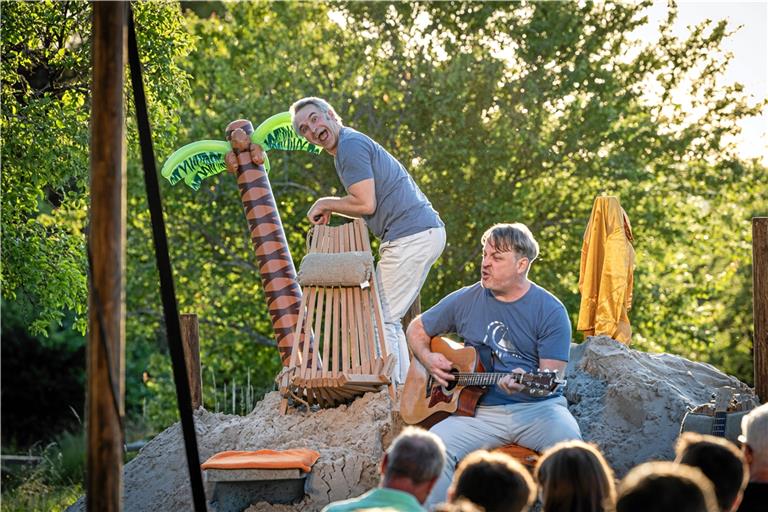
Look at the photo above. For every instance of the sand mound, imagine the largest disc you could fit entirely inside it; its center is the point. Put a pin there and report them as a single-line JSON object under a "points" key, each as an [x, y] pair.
{"points": [[630, 403]]}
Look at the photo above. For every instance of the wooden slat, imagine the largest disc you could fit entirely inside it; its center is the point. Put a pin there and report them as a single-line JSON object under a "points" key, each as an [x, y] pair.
{"points": [[304, 370], [318, 319], [329, 306]]}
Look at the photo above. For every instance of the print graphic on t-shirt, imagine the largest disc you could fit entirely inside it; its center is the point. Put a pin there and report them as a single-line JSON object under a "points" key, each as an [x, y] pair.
{"points": [[502, 346]]}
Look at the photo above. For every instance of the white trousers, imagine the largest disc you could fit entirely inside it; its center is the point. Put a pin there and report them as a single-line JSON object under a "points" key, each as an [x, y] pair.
{"points": [[403, 267], [535, 425]]}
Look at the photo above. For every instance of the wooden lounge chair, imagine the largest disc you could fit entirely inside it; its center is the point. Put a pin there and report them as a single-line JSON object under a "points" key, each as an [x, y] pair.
{"points": [[339, 352]]}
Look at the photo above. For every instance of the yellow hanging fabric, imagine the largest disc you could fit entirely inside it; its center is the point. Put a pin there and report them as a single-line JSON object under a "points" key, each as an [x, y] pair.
{"points": [[605, 276]]}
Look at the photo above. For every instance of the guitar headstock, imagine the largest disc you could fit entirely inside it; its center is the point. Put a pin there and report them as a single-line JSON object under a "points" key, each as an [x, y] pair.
{"points": [[722, 398], [541, 383]]}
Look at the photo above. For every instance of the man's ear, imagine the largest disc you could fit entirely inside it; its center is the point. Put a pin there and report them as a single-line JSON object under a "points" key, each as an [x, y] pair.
{"points": [[383, 466], [748, 453], [522, 264]]}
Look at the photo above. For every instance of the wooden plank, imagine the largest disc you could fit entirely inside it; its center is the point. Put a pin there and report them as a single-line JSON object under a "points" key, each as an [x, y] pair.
{"points": [[329, 306], [304, 370], [105, 406], [335, 328], [317, 331], [362, 342], [374, 354], [760, 304], [190, 337]]}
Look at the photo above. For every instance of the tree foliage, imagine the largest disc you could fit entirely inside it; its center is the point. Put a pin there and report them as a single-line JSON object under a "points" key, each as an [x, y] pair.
{"points": [[501, 111]]}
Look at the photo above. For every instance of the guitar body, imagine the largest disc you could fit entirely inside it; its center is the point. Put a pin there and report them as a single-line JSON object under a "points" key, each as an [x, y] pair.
{"points": [[426, 403]]}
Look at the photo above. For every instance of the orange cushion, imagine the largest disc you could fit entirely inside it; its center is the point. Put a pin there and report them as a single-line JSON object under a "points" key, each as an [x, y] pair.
{"points": [[297, 458]]}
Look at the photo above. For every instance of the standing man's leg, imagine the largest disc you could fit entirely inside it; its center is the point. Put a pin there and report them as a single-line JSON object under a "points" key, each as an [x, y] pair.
{"points": [[403, 267]]}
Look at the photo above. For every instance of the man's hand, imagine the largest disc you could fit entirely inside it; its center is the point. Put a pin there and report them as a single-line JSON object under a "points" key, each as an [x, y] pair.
{"points": [[439, 367], [508, 384], [319, 214], [435, 363]]}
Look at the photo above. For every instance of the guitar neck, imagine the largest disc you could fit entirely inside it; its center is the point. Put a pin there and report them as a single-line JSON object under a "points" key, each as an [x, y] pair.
{"points": [[483, 379], [718, 424]]}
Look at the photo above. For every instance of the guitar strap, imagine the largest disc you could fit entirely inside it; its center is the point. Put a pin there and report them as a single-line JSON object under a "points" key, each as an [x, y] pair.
{"points": [[485, 353]]}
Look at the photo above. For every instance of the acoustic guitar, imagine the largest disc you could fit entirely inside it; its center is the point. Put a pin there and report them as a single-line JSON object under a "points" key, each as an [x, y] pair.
{"points": [[424, 402]]}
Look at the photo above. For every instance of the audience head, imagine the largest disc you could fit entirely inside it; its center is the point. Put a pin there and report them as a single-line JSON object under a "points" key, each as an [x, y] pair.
{"points": [[754, 439], [494, 481], [460, 505], [720, 461], [573, 476], [666, 487], [413, 462]]}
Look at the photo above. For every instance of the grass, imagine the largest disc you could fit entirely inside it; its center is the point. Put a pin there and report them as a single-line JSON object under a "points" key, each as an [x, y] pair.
{"points": [[54, 484]]}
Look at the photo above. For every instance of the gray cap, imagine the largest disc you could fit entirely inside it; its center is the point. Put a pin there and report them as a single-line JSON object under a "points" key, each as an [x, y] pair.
{"points": [[754, 428]]}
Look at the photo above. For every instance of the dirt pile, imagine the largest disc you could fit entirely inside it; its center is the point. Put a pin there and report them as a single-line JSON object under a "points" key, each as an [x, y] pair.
{"points": [[630, 403]]}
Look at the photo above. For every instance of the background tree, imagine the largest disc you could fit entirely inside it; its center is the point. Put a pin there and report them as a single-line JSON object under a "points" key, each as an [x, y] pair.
{"points": [[501, 111]]}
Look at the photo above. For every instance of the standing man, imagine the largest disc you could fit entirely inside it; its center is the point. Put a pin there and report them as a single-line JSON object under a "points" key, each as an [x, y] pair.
{"points": [[515, 325], [381, 191]]}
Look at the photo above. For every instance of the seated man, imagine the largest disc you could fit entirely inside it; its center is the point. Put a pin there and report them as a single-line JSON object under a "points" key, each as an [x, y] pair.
{"points": [[494, 481], [516, 326], [754, 439], [666, 487], [720, 461], [409, 470]]}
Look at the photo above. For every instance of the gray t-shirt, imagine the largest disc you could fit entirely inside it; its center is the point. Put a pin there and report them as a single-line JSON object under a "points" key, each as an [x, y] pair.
{"points": [[401, 208], [508, 335]]}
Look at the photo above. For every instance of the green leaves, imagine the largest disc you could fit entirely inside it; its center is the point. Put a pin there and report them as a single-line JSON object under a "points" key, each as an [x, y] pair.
{"points": [[501, 112]]}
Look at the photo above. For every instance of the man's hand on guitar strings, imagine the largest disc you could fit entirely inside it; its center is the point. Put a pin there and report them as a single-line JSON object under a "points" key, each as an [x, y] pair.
{"points": [[508, 384], [439, 367]]}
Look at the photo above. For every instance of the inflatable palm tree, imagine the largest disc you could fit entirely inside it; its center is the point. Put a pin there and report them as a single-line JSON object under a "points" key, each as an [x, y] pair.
{"points": [[248, 160]]}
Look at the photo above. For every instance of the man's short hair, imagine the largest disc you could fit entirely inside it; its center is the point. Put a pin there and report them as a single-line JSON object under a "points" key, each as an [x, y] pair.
{"points": [[573, 475], [719, 460], [494, 481], [754, 432], [320, 103], [508, 237], [416, 454], [666, 487]]}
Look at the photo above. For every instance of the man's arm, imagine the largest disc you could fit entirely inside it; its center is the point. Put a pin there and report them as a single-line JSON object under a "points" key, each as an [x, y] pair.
{"points": [[509, 386], [436, 364], [360, 200]]}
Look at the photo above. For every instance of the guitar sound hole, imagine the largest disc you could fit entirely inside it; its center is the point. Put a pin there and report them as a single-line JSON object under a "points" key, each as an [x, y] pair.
{"points": [[452, 383]]}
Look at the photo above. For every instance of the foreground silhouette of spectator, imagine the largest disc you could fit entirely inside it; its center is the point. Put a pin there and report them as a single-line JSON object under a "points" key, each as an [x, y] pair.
{"points": [[409, 470], [754, 439], [494, 481], [666, 487], [460, 505], [720, 461], [573, 476]]}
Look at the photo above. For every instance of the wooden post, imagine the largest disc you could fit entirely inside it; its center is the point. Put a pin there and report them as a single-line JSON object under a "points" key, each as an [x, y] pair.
{"points": [[190, 337], [106, 300], [760, 304]]}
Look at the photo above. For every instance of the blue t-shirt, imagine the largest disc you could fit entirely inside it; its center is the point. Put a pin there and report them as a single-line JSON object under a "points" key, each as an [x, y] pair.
{"points": [[508, 335], [401, 207]]}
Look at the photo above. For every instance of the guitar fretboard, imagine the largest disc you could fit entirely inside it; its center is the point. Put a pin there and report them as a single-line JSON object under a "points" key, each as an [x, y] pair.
{"points": [[718, 424], [484, 379]]}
